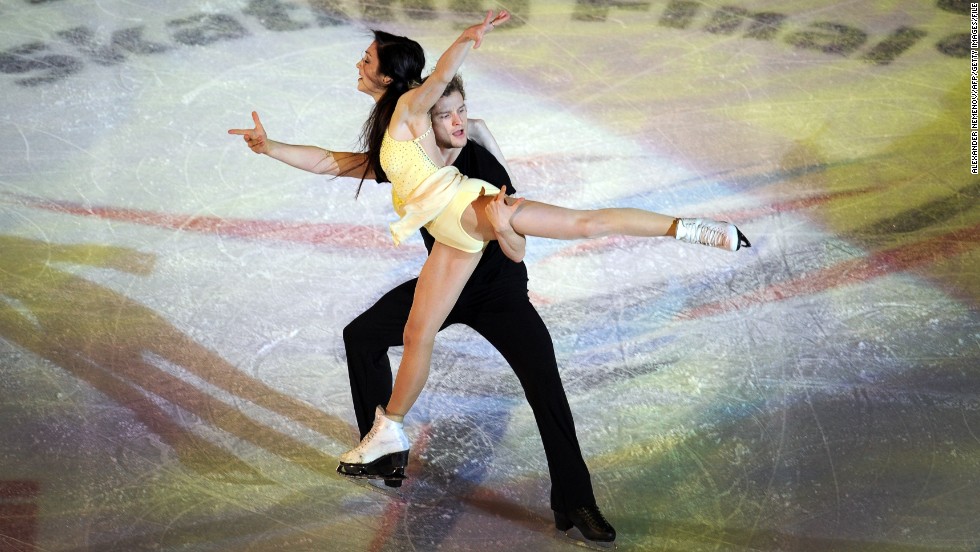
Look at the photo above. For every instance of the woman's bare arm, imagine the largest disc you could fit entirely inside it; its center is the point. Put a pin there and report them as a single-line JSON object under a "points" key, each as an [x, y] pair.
{"points": [[416, 103], [309, 158]]}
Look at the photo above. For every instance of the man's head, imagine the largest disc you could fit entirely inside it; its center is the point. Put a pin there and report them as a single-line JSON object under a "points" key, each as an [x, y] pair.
{"points": [[449, 116]]}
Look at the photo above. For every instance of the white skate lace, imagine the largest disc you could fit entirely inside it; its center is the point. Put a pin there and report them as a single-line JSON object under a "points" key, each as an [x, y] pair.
{"points": [[367, 438], [710, 233]]}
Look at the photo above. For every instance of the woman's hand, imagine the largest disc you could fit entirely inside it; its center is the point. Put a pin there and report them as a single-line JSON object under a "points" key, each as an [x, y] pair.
{"points": [[255, 137], [419, 101], [490, 22]]}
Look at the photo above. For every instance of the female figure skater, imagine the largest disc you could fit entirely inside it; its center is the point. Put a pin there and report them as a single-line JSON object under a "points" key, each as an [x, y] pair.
{"points": [[463, 214]]}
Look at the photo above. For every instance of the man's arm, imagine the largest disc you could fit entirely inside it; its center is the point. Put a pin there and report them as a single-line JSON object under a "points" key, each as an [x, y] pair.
{"points": [[313, 159], [480, 133], [499, 211]]}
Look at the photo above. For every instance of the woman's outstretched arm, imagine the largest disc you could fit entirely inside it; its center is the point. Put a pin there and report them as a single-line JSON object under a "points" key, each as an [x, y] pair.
{"points": [[420, 100], [309, 158]]}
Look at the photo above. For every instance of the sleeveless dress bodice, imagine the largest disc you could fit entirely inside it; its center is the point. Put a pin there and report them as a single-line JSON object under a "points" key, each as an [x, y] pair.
{"points": [[420, 189]]}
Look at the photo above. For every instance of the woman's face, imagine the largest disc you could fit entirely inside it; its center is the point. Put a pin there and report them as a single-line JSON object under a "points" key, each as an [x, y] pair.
{"points": [[369, 78]]}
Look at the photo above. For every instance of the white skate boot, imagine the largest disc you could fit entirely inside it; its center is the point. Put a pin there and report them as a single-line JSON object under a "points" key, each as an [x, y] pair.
{"points": [[381, 454], [723, 235]]}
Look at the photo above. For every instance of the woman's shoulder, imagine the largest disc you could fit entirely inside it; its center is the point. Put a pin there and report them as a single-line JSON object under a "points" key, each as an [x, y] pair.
{"points": [[405, 125]]}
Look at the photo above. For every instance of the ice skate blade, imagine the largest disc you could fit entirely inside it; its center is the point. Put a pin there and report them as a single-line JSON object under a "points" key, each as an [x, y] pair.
{"points": [[377, 485], [390, 466], [742, 240], [574, 536], [354, 471]]}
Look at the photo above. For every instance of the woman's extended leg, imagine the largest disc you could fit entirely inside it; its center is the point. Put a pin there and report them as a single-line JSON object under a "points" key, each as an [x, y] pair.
{"points": [[534, 218], [384, 450], [550, 221]]}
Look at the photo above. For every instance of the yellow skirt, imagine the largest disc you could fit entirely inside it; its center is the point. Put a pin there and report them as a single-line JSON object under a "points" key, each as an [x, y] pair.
{"points": [[438, 204]]}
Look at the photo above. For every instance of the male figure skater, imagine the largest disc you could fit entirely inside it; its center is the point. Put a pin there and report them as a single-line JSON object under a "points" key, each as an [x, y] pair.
{"points": [[495, 304]]}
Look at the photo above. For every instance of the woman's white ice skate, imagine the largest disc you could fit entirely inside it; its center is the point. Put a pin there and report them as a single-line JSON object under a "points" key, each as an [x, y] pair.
{"points": [[713, 233], [381, 454]]}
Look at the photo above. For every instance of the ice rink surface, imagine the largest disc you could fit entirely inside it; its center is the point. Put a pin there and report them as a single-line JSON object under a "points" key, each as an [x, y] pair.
{"points": [[171, 305]]}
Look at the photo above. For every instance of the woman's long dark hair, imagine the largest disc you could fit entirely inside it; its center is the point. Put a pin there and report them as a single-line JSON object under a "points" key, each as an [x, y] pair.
{"points": [[402, 60]]}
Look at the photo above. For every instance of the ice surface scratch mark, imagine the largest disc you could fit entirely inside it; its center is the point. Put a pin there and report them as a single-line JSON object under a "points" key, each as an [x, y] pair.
{"points": [[62, 139], [265, 349], [45, 238], [932, 470], [827, 451], [27, 143], [222, 78], [582, 65], [966, 424], [851, 272], [337, 235], [21, 309]]}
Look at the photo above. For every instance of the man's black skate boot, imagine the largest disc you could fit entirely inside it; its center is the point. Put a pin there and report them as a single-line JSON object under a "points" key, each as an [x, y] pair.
{"points": [[589, 522]]}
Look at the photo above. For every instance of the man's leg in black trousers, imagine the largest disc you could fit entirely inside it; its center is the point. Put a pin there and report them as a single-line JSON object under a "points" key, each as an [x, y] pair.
{"points": [[512, 325], [367, 340]]}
